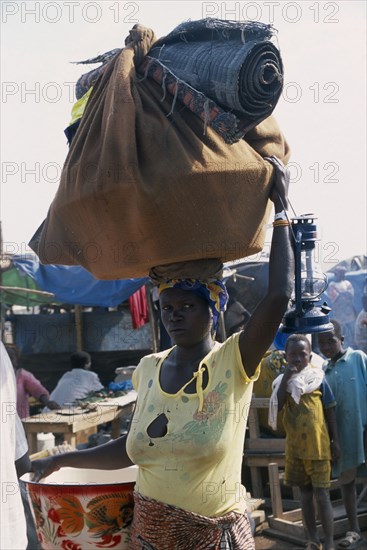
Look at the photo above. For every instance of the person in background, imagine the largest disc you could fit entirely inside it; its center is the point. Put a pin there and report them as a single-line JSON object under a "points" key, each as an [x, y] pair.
{"points": [[78, 382], [308, 406], [341, 294], [346, 372], [27, 385], [360, 330], [14, 453], [272, 365]]}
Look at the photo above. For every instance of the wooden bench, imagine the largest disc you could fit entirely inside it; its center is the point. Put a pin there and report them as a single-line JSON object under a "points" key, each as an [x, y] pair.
{"points": [[259, 451], [289, 525]]}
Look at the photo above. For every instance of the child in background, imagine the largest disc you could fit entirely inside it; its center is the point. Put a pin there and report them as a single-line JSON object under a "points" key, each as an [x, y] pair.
{"points": [[346, 372], [311, 437]]}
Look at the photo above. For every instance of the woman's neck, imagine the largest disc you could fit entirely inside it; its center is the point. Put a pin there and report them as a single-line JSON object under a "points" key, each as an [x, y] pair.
{"points": [[194, 353]]}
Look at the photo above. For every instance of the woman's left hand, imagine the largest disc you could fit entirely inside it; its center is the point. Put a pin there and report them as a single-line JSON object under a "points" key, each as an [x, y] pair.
{"points": [[52, 405], [44, 467]]}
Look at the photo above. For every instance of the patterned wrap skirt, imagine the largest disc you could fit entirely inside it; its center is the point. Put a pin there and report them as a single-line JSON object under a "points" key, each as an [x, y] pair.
{"points": [[160, 526]]}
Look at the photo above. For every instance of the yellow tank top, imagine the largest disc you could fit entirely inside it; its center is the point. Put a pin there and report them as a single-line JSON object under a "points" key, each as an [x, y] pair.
{"points": [[197, 464]]}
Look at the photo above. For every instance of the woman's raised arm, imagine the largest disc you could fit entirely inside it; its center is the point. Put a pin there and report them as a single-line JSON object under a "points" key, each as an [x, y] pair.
{"points": [[265, 320]]}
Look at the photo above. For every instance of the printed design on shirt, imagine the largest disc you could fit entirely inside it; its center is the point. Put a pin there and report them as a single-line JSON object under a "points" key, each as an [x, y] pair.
{"points": [[207, 424], [296, 411], [307, 406]]}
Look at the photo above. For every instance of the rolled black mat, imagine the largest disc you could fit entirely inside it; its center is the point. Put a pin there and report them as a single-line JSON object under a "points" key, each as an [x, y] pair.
{"points": [[235, 64]]}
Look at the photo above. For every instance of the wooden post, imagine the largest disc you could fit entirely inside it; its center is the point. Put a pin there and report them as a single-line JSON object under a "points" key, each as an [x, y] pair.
{"points": [[276, 497], [254, 431], [222, 326], [79, 328], [152, 319]]}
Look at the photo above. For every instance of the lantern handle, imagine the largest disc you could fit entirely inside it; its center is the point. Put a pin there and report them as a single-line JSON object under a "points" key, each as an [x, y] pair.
{"points": [[290, 204], [286, 215]]}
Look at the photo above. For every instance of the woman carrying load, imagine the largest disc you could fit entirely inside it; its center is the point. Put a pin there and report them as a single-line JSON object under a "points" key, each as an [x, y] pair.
{"points": [[187, 433]]}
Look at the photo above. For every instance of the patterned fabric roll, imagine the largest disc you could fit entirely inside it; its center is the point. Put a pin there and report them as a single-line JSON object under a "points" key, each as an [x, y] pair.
{"points": [[228, 73], [226, 124]]}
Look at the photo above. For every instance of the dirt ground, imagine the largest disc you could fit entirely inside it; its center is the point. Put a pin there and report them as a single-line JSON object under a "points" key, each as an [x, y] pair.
{"points": [[264, 542]]}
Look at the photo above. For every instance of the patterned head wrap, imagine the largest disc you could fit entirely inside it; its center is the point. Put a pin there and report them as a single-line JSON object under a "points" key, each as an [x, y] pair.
{"points": [[215, 293]]}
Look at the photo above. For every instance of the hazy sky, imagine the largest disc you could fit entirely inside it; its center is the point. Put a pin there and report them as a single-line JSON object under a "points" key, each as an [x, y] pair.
{"points": [[322, 110]]}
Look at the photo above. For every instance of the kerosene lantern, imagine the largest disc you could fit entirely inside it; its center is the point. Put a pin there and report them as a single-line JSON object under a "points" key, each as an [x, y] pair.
{"points": [[308, 314]]}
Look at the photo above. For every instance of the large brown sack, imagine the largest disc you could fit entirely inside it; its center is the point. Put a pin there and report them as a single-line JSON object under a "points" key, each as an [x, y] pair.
{"points": [[140, 188]]}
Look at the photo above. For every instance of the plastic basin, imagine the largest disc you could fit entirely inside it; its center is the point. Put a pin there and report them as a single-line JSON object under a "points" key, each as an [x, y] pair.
{"points": [[77, 509]]}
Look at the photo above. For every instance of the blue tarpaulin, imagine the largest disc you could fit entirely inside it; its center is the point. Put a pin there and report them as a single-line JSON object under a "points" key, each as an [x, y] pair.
{"points": [[102, 331], [76, 285]]}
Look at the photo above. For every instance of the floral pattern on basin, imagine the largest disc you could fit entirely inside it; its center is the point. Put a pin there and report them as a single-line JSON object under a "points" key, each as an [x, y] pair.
{"points": [[78, 517]]}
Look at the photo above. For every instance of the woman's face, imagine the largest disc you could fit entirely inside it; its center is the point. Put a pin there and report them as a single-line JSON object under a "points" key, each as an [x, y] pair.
{"points": [[185, 316]]}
